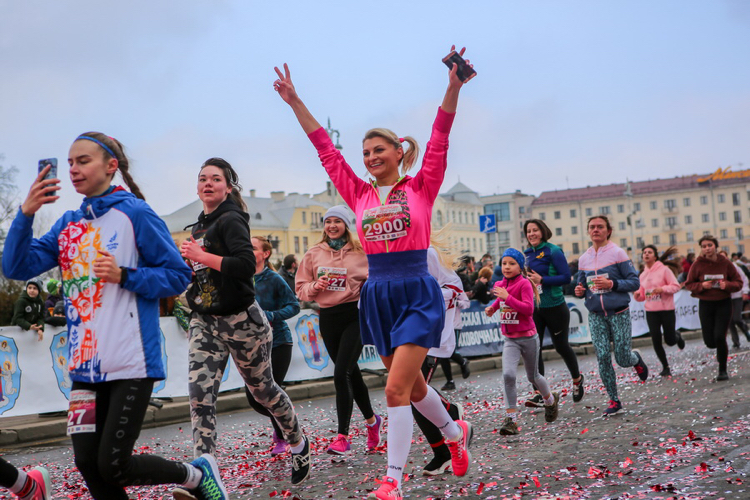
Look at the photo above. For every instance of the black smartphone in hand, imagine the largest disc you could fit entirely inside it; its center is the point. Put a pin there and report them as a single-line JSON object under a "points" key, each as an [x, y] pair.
{"points": [[52, 174], [464, 71]]}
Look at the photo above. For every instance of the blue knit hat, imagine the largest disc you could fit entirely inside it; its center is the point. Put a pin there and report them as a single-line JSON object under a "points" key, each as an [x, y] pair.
{"points": [[515, 255]]}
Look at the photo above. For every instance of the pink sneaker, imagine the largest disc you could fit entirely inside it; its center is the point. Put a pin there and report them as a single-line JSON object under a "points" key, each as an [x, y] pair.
{"points": [[460, 455], [373, 434], [340, 445], [43, 485], [279, 445], [388, 490]]}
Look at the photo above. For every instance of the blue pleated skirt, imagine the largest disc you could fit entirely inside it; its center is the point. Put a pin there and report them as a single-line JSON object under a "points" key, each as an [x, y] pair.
{"points": [[400, 303]]}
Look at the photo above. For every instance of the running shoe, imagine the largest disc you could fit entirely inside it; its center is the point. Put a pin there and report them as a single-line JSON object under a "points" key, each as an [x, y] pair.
{"points": [[460, 454], [640, 367], [43, 489], [509, 427], [578, 390], [614, 407], [465, 371], [279, 445], [666, 372], [550, 411], [374, 437], [456, 411], [301, 464], [535, 402], [340, 446], [723, 375], [681, 341], [449, 386], [388, 490], [438, 465], [211, 487]]}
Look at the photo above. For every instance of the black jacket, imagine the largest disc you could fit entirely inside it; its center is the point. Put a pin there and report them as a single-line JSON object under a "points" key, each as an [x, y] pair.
{"points": [[224, 232]]}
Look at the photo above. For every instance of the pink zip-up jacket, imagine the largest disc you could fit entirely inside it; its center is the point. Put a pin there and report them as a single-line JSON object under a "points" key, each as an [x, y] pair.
{"points": [[346, 284], [403, 222], [520, 300], [657, 276]]}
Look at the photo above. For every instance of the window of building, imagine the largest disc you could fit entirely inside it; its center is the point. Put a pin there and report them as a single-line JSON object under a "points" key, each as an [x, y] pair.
{"points": [[639, 242], [589, 212], [739, 233], [656, 239], [305, 242], [604, 210], [542, 216], [637, 207], [672, 239], [736, 199], [558, 231], [557, 214], [621, 209], [623, 243], [670, 204], [704, 217], [671, 222], [689, 236], [439, 218], [723, 234], [652, 205], [576, 249], [704, 200], [721, 198], [573, 229], [654, 222], [725, 248], [453, 216], [573, 212], [621, 226], [686, 202], [521, 210], [304, 217], [741, 248], [688, 219], [296, 244], [722, 216], [737, 216], [706, 233]]}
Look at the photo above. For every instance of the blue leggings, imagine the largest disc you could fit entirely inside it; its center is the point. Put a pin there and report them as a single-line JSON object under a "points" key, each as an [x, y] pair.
{"points": [[616, 329]]}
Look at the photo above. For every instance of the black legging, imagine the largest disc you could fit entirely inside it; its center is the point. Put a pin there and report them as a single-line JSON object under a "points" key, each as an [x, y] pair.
{"points": [[105, 457], [339, 327], [8, 473], [281, 357], [715, 316], [737, 321], [658, 320], [445, 363], [557, 319]]}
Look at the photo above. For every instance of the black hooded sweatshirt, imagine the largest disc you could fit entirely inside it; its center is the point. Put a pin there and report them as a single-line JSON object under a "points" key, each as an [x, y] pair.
{"points": [[224, 232]]}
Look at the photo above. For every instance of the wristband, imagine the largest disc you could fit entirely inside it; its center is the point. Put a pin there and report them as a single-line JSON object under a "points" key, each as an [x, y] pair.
{"points": [[123, 276]]}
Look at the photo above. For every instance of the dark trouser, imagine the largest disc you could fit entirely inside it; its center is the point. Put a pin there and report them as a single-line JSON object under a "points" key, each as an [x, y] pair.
{"points": [[8, 474], [430, 430], [445, 363], [737, 321], [557, 319], [339, 327], [281, 357], [715, 316], [105, 457], [658, 320]]}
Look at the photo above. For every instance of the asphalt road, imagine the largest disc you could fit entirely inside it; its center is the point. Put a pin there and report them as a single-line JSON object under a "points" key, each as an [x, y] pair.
{"points": [[685, 437]]}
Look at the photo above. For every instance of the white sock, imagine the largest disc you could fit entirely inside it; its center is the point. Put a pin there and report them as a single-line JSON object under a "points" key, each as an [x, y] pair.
{"points": [[431, 407], [512, 415], [400, 429], [549, 400], [20, 482], [298, 449], [194, 476]]}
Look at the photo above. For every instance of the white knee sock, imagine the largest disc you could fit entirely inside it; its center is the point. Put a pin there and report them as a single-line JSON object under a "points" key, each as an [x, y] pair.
{"points": [[20, 482], [194, 476], [400, 429], [431, 407]]}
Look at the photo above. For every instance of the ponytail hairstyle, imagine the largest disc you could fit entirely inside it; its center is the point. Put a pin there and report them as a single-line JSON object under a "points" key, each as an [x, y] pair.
{"points": [[449, 257], [410, 155], [112, 148], [232, 180], [266, 246], [666, 258]]}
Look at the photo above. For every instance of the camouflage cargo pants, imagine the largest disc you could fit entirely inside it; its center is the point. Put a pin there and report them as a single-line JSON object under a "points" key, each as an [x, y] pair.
{"points": [[247, 338]]}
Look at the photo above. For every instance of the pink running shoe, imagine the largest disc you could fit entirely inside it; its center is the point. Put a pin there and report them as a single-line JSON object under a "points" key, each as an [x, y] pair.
{"points": [[43, 485], [460, 455], [388, 490], [373, 434], [279, 445], [340, 446]]}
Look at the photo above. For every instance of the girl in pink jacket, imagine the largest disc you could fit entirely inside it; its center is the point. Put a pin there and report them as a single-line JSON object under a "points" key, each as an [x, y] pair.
{"points": [[658, 286], [516, 297], [401, 305]]}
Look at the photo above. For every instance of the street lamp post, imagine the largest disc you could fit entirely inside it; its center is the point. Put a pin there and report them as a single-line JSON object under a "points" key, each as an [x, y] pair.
{"points": [[331, 132]]}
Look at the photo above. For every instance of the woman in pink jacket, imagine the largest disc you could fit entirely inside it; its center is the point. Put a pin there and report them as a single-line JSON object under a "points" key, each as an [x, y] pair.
{"points": [[401, 305], [658, 286], [331, 273]]}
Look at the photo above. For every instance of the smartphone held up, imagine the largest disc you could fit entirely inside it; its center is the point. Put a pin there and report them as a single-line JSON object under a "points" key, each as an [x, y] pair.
{"points": [[464, 72], [51, 174]]}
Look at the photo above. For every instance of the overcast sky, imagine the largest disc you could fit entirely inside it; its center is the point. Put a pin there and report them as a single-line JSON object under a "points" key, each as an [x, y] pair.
{"points": [[568, 93]]}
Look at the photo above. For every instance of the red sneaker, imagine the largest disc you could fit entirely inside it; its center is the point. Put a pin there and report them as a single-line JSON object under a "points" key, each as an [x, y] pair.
{"points": [[460, 455], [388, 490], [43, 485], [373, 434]]}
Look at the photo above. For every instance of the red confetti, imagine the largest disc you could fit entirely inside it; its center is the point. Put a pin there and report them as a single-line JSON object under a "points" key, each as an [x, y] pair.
{"points": [[480, 488], [584, 431], [536, 482]]}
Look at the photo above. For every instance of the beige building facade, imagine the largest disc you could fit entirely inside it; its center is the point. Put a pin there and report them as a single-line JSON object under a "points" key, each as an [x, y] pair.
{"points": [[456, 212], [511, 210], [663, 212]]}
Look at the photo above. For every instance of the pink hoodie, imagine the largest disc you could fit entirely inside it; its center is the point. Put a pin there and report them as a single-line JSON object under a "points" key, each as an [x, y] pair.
{"points": [[403, 222], [657, 276], [346, 267], [518, 313]]}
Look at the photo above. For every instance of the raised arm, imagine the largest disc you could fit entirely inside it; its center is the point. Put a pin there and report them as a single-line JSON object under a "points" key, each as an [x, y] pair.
{"points": [[284, 86], [450, 101]]}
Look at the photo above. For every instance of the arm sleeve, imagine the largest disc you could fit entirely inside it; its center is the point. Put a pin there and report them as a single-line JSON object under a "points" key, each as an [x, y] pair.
{"points": [[563, 271], [288, 305], [25, 257], [692, 283], [161, 272], [672, 286], [734, 281], [348, 184], [641, 293], [304, 279], [525, 305], [18, 316], [629, 282], [435, 160], [240, 261]]}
